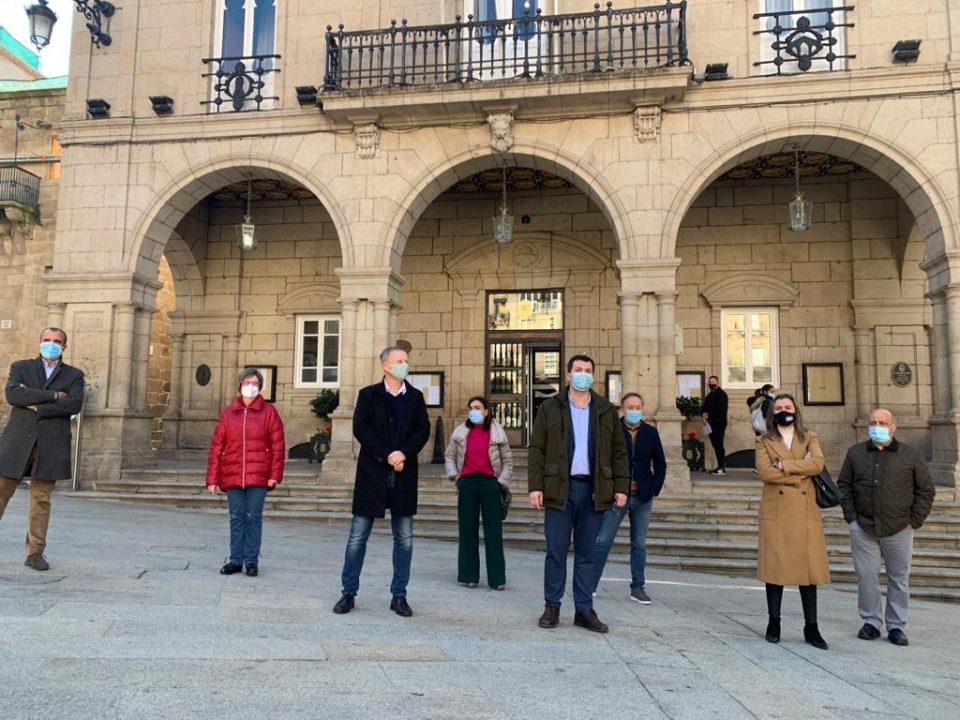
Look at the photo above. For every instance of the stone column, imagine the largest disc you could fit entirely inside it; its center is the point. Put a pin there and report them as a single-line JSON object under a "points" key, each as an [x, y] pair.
{"points": [[669, 419], [56, 313], [381, 335], [953, 342], [348, 353], [121, 378], [141, 358], [865, 369], [940, 355], [629, 341], [171, 421]]}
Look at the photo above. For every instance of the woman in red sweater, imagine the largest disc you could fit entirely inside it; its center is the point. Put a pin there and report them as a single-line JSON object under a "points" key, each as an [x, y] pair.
{"points": [[246, 459], [478, 458]]}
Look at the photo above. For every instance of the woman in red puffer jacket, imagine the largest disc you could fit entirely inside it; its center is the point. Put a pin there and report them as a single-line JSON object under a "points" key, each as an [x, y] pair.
{"points": [[246, 459]]}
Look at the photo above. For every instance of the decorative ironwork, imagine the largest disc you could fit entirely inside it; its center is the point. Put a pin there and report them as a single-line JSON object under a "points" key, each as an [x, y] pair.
{"points": [[801, 37], [262, 189], [519, 179], [241, 81], [534, 45], [19, 188], [781, 165], [94, 11]]}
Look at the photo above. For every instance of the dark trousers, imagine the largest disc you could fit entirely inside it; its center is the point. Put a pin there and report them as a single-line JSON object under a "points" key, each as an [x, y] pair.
{"points": [[808, 598], [479, 495], [716, 439], [580, 518], [246, 523]]}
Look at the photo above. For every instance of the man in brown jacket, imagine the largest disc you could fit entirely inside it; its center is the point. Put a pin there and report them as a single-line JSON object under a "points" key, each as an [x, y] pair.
{"points": [[887, 494]]}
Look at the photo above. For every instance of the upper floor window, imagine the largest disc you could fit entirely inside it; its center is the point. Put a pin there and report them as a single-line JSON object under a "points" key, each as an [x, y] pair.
{"points": [[497, 47], [246, 33], [750, 347], [318, 351], [801, 35]]}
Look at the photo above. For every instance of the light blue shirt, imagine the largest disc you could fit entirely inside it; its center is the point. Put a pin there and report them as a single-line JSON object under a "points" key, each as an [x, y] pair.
{"points": [[48, 369], [581, 439]]}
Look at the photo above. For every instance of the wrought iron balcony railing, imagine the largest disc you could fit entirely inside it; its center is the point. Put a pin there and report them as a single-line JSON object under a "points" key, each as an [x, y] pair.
{"points": [[804, 39], [19, 187], [242, 83], [534, 45]]}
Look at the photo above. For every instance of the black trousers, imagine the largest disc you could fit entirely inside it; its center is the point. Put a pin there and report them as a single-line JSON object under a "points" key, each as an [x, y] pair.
{"points": [[716, 439]]}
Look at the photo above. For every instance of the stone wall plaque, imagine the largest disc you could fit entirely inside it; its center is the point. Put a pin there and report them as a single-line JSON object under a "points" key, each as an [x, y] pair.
{"points": [[901, 374], [203, 375]]}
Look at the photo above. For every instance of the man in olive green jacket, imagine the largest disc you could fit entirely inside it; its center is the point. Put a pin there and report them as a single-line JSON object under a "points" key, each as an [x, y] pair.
{"points": [[577, 470], [887, 494]]}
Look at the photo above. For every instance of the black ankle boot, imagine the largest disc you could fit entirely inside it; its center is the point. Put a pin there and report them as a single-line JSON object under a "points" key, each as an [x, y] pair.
{"points": [[811, 633], [773, 630]]}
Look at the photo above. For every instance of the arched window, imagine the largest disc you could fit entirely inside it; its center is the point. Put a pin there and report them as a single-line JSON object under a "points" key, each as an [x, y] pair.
{"points": [[246, 27]]}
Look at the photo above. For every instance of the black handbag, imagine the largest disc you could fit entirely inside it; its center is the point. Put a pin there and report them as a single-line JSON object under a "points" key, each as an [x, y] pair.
{"points": [[505, 498], [828, 494]]}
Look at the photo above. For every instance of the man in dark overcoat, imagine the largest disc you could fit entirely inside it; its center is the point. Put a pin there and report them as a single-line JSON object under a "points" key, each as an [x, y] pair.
{"points": [[390, 422], [43, 393]]}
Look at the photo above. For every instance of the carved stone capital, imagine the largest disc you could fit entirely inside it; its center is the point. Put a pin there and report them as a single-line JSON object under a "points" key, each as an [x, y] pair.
{"points": [[368, 140], [646, 122], [501, 131]]}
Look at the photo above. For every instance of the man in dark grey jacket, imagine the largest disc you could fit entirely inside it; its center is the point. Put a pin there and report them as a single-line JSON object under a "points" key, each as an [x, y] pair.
{"points": [[887, 494], [43, 392]]}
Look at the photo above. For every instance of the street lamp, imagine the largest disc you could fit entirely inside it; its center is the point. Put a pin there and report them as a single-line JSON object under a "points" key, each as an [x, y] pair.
{"points": [[247, 231], [800, 209], [42, 20]]}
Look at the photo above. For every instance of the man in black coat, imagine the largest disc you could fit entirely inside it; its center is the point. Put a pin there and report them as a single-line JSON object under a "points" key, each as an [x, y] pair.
{"points": [[43, 392], [715, 415], [390, 422]]}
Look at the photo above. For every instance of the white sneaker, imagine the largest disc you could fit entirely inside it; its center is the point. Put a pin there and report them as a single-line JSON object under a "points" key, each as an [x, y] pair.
{"points": [[718, 471]]}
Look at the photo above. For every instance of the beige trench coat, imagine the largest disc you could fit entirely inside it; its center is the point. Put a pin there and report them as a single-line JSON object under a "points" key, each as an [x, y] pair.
{"points": [[792, 549]]}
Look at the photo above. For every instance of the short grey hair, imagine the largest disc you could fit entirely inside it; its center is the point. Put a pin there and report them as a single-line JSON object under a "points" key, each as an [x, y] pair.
{"points": [[385, 353], [630, 395], [250, 372]]}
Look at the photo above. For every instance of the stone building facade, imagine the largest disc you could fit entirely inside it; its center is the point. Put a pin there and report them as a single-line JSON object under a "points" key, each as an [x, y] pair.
{"points": [[650, 208]]}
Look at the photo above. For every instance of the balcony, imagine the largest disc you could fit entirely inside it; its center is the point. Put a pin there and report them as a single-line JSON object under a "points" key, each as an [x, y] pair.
{"points": [[803, 40], [533, 46], [19, 188], [241, 83]]}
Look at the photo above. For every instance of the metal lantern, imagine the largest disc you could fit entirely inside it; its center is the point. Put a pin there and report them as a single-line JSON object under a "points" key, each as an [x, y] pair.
{"points": [[42, 19], [247, 231], [800, 210], [503, 223]]}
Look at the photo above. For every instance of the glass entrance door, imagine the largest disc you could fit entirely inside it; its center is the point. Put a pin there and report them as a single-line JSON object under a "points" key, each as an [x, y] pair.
{"points": [[521, 374]]}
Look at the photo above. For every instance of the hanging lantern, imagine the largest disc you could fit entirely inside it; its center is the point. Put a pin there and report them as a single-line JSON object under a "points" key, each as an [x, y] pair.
{"points": [[800, 210], [503, 223], [247, 231]]}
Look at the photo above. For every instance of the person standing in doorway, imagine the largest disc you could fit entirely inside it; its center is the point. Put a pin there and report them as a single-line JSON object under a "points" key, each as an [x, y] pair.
{"points": [[577, 470], [887, 494], [648, 469], [43, 393], [715, 415], [390, 422]]}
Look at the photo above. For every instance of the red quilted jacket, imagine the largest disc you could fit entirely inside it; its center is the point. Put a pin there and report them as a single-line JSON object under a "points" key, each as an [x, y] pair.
{"points": [[247, 446]]}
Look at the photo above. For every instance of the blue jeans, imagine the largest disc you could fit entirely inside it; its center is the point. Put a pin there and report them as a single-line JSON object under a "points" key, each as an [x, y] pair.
{"points": [[639, 523], [580, 517], [246, 523], [356, 550]]}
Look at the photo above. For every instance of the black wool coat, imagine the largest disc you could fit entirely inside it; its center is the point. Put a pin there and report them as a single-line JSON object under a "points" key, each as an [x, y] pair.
{"points": [[373, 427], [47, 427]]}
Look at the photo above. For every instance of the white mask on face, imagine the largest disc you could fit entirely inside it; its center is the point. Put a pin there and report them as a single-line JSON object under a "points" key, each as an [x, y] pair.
{"points": [[249, 391]]}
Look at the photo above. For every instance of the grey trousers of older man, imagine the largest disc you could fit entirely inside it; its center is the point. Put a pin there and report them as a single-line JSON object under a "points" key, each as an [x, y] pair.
{"points": [[895, 551]]}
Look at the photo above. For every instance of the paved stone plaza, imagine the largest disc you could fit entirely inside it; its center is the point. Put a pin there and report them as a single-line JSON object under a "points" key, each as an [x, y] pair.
{"points": [[133, 621]]}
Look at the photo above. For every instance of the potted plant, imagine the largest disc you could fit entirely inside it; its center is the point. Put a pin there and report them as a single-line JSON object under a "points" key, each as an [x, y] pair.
{"points": [[689, 407], [323, 404]]}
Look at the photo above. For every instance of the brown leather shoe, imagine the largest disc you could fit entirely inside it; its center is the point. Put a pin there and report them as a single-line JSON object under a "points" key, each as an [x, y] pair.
{"points": [[36, 561], [550, 617], [588, 619]]}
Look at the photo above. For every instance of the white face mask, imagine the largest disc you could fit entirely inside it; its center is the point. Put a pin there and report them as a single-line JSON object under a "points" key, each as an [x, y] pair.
{"points": [[249, 391]]}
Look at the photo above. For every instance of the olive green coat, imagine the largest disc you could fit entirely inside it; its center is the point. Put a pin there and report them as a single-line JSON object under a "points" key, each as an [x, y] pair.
{"points": [[792, 548]]}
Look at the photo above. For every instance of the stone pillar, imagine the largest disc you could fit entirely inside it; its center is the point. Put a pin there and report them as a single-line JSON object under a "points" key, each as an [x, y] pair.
{"points": [[865, 369], [629, 343], [669, 419], [341, 441], [381, 334], [945, 427], [171, 421], [953, 342], [141, 358], [121, 376], [56, 313], [940, 355]]}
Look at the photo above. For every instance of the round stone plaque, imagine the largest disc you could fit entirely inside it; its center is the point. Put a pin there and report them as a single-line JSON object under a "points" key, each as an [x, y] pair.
{"points": [[901, 373], [203, 375]]}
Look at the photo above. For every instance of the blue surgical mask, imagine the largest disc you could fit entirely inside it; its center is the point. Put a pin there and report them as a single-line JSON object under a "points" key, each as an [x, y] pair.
{"points": [[475, 416], [50, 350], [581, 381], [879, 434], [633, 417], [399, 370]]}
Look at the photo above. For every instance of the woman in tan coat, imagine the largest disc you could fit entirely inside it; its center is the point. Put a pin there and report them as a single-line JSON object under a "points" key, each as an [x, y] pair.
{"points": [[792, 550]]}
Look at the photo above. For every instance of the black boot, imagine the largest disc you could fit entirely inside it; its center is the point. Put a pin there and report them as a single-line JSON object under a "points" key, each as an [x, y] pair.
{"points": [[773, 630], [811, 633]]}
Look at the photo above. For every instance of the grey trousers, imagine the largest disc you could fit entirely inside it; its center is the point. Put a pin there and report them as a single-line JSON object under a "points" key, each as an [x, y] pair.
{"points": [[895, 551]]}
